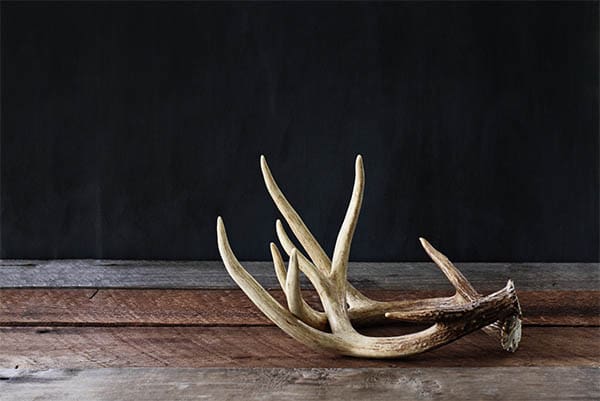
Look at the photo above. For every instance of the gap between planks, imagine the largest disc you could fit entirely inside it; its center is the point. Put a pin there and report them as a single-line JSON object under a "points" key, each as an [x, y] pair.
{"points": [[156, 384]]}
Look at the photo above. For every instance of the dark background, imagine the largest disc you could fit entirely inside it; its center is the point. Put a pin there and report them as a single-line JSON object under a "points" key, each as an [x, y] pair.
{"points": [[127, 128]]}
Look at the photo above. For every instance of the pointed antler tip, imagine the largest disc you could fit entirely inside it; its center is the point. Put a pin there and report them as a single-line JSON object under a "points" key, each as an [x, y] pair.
{"points": [[220, 225], [359, 161]]}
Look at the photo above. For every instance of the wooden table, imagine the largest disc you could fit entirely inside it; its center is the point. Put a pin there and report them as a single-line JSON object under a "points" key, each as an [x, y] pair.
{"points": [[123, 330]]}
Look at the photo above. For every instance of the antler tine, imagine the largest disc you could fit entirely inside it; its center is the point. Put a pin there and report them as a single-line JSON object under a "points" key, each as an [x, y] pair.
{"points": [[308, 241], [288, 246], [279, 266], [257, 294], [292, 286], [341, 252], [456, 278], [314, 274], [291, 289]]}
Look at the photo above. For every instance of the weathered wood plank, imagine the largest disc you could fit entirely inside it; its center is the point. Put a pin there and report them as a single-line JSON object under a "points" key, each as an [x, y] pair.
{"points": [[533, 383], [142, 307], [198, 274], [91, 347]]}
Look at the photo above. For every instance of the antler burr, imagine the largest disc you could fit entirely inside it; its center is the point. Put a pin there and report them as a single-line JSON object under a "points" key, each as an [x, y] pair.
{"points": [[499, 313]]}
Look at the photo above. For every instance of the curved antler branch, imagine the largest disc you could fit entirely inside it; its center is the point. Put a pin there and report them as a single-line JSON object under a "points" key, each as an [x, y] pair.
{"points": [[308, 241], [456, 278], [341, 252]]}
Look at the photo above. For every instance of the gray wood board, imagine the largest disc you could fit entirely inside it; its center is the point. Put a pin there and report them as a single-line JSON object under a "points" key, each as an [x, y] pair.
{"points": [[532, 383], [212, 275]]}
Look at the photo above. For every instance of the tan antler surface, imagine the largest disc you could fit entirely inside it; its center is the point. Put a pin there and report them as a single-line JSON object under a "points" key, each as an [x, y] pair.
{"points": [[451, 317]]}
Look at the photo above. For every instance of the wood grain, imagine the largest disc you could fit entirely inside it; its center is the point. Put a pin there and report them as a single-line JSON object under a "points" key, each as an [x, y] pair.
{"points": [[142, 307], [122, 314], [92, 347], [485, 277], [533, 383]]}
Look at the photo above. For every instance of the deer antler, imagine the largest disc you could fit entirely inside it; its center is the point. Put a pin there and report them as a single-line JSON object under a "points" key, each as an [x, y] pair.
{"points": [[452, 317]]}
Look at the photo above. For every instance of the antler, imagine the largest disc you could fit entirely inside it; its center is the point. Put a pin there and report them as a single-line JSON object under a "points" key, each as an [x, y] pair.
{"points": [[343, 305]]}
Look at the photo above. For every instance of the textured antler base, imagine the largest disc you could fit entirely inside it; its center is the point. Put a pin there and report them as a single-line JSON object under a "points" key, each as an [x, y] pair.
{"points": [[499, 313]]}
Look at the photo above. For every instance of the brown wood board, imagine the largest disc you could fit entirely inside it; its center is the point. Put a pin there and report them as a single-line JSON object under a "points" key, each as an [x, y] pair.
{"points": [[268, 346], [184, 330], [139, 307]]}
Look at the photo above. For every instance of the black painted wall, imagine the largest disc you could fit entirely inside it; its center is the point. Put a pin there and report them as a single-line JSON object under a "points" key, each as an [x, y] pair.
{"points": [[127, 128]]}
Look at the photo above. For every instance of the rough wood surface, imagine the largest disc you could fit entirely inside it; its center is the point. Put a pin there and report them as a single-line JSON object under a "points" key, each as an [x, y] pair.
{"points": [[220, 328], [212, 275], [140, 307], [542, 383], [87, 347]]}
